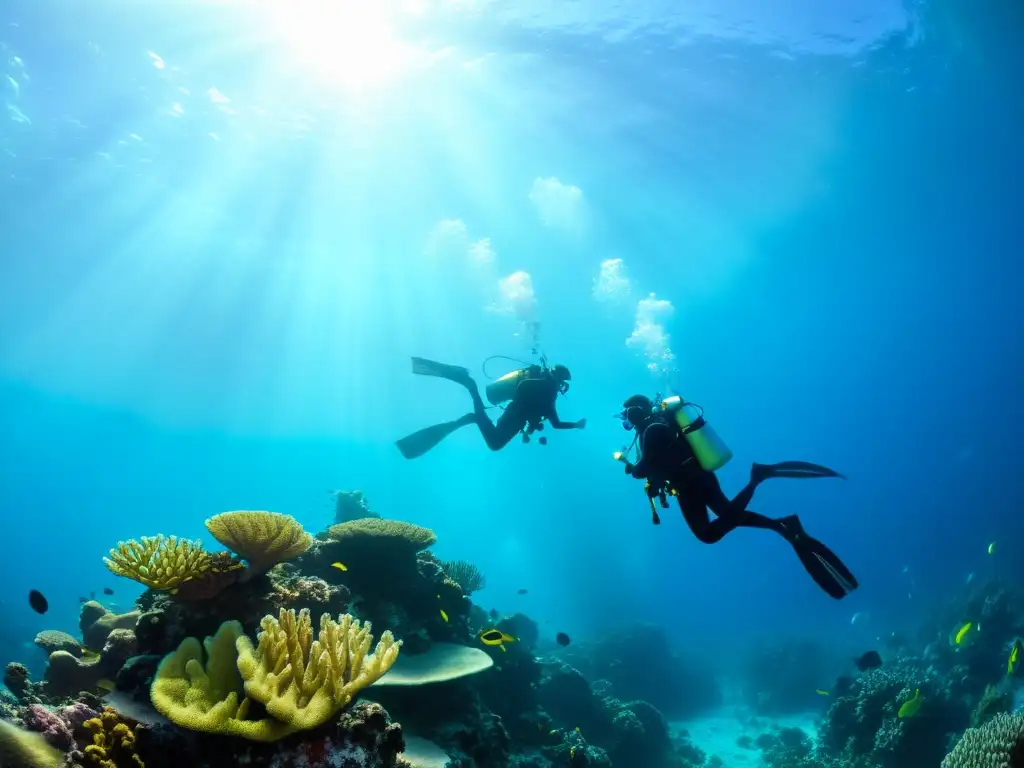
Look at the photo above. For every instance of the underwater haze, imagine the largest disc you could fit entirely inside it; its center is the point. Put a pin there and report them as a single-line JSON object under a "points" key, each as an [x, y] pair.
{"points": [[226, 227]]}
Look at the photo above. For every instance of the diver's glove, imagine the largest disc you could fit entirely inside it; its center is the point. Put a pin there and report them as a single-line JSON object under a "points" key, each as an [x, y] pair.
{"points": [[629, 467], [581, 424]]}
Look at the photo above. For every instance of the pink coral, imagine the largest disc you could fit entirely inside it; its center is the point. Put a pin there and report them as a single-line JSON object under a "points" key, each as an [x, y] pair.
{"points": [[47, 722]]}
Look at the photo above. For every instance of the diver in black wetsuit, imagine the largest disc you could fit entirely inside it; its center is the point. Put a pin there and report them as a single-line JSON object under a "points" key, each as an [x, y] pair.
{"points": [[532, 404], [668, 463]]}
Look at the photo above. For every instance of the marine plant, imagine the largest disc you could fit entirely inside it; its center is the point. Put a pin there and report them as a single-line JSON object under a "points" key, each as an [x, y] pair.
{"points": [[301, 682]]}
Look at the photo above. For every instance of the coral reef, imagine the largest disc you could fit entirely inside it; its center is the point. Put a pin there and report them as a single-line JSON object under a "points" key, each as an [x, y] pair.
{"points": [[50, 640], [351, 505], [466, 575], [997, 744], [24, 749], [300, 682], [864, 723], [113, 743]]}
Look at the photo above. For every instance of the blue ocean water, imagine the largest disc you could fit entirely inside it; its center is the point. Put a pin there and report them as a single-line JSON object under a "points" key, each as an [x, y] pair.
{"points": [[225, 230]]}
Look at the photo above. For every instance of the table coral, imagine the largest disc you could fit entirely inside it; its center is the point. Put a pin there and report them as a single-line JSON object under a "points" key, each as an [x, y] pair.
{"points": [[262, 538]]}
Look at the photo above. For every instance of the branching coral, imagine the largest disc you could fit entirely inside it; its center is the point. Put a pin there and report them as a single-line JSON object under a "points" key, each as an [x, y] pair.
{"points": [[997, 744], [303, 681], [466, 575], [264, 539], [159, 562], [113, 743]]}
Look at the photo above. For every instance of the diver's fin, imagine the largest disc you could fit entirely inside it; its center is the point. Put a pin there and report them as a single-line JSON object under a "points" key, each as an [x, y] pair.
{"points": [[823, 565], [798, 469], [424, 367], [418, 443]]}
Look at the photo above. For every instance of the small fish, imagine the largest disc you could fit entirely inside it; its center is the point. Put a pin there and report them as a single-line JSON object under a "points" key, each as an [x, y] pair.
{"points": [[910, 707], [105, 684], [1014, 660], [83, 599], [820, 692], [495, 637], [38, 602], [494, 614], [858, 617], [108, 591], [869, 660], [991, 548], [562, 639], [970, 577], [962, 634], [339, 566], [577, 729], [92, 595], [522, 591], [444, 616]]}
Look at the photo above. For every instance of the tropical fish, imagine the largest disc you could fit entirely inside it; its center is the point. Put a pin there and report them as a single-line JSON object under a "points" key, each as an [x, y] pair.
{"points": [[910, 707], [339, 566], [108, 591], [963, 634], [869, 660], [495, 637], [38, 602], [991, 548], [1014, 660], [105, 684], [562, 639], [820, 692], [444, 615]]}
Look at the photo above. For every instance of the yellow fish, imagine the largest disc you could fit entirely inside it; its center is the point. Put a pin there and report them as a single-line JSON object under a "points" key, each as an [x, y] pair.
{"points": [[992, 548], [339, 566], [1011, 664], [577, 729], [962, 633], [106, 685], [820, 692], [910, 706], [444, 615], [496, 637]]}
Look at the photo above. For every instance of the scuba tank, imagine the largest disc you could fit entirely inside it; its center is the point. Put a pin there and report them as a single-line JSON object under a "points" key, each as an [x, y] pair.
{"points": [[504, 389], [711, 452]]}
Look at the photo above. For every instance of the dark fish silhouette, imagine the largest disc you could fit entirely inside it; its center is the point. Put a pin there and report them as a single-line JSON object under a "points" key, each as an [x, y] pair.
{"points": [[869, 660], [494, 614], [562, 639], [522, 592], [38, 602], [108, 591]]}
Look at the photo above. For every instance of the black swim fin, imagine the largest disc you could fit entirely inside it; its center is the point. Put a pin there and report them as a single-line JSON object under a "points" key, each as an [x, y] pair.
{"points": [[424, 367], [823, 565], [797, 469], [418, 443]]}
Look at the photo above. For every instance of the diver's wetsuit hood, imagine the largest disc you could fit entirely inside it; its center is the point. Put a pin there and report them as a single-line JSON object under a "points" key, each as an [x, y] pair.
{"points": [[562, 376], [636, 410]]}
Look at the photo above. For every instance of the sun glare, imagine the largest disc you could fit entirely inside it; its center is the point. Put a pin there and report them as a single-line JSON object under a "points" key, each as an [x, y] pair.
{"points": [[350, 43]]}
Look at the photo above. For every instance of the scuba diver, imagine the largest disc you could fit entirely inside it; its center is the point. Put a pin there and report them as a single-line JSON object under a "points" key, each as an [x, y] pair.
{"points": [[530, 392], [679, 454]]}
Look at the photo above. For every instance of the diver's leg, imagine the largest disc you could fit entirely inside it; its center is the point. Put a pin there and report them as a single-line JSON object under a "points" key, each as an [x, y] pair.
{"points": [[730, 514], [695, 513]]}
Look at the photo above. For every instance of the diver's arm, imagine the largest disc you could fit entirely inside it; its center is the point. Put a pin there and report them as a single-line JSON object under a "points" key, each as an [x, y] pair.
{"points": [[557, 423], [656, 437]]}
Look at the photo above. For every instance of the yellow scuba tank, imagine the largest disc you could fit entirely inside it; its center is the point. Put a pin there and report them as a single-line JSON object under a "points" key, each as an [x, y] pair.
{"points": [[711, 452], [504, 389]]}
